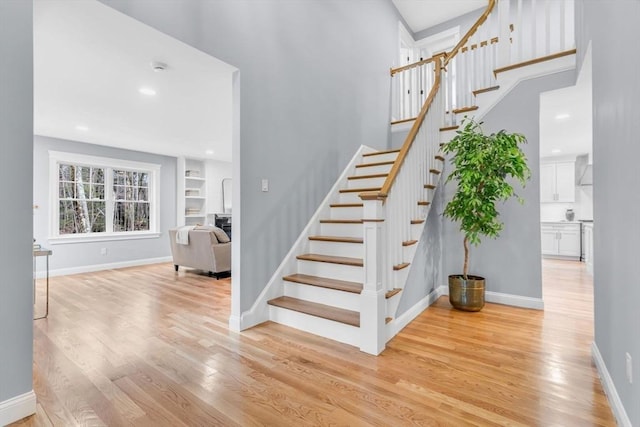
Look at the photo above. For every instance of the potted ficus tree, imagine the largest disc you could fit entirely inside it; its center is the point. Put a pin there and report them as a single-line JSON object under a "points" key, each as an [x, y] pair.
{"points": [[484, 166]]}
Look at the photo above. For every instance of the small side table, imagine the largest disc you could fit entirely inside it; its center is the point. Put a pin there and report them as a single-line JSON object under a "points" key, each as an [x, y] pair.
{"points": [[45, 253]]}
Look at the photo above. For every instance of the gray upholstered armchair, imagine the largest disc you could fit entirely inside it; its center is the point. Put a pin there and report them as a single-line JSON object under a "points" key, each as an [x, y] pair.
{"points": [[208, 249]]}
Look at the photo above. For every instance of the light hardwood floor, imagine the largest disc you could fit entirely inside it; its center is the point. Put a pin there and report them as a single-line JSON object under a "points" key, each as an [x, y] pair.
{"points": [[146, 346]]}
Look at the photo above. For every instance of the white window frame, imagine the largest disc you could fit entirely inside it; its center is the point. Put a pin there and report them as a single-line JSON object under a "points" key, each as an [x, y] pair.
{"points": [[109, 164]]}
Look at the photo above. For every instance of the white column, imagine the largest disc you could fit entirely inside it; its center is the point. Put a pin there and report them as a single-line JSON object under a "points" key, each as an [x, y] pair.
{"points": [[372, 300]]}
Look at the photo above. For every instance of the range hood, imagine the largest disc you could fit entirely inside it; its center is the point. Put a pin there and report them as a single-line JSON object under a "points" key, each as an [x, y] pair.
{"points": [[584, 170]]}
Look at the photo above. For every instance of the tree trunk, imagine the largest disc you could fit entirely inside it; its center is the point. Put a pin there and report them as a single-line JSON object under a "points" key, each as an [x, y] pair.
{"points": [[83, 212], [465, 268]]}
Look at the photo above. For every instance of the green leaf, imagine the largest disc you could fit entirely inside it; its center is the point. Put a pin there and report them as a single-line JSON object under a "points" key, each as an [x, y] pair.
{"points": [[483, 166]]}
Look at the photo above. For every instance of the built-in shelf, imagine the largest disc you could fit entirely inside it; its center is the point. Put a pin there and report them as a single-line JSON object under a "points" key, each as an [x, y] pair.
{"points": [[192, 191]]}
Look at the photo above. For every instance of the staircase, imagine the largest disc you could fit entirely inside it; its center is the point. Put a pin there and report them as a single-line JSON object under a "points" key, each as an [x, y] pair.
{"points": [[322, 296], [344, 277]]}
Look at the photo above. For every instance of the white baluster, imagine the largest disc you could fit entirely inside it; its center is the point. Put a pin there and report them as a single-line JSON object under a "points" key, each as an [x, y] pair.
{"points": [[504, 50]]}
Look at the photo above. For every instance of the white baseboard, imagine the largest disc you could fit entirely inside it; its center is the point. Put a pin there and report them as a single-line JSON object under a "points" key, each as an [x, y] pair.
{"points": [[17, 408], [395, 326], [609, 388], [514, 300], [100, 267], [507, 299]]}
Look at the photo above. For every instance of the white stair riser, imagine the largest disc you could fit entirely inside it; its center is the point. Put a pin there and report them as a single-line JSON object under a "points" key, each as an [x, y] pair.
{"points": [[416, 231], [353, 250], [366, 182], [433, 178], [379, 158], [334, 271], [399, 277], [332, 297], [346, 213], [370, 170], [344, 230], [447, 136], [316, 325], [409, 251], [351, 197]]}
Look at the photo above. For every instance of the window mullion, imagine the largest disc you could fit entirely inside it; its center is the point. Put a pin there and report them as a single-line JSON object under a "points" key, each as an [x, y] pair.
{"points": [[109, 202]]}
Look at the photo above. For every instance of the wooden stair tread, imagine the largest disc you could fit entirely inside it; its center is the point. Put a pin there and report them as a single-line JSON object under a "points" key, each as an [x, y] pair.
{"points": [[338, 239], [465, 109], [359, 190], [325, 282], [430, 186], [340, 221], [366, 165], [446, 128], [397, 122], [401, 266], [377, 153], [342, 260], [375, 175], [319, 310], [346, 205], [388, 319], [484, 90], [439, 157], [436, 171], [417, 221], [392, 292], [423, 203], [409, 242]]}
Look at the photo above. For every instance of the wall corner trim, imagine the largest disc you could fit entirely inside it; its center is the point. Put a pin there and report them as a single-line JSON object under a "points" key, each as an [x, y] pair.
{"points": [[609, 388], [17, 408]]}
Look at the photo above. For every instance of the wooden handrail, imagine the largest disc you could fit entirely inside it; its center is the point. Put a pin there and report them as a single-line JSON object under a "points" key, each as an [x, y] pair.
{"points": [[408, 142], [441, 59], [471, 32], [410, 66]]}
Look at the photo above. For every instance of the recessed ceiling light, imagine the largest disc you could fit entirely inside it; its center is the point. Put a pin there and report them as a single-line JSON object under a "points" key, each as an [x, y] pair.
{"points": [[147, 91], [556, 151], [209, 152], [562, 116], [82, 128]]}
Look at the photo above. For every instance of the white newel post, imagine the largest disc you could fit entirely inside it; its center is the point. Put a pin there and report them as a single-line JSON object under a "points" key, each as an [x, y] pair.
{"points": [[372, 300]]}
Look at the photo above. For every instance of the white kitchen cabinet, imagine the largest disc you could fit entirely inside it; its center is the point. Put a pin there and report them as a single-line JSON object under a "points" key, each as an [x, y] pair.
{"points": [[560, 239], [557, 182]]}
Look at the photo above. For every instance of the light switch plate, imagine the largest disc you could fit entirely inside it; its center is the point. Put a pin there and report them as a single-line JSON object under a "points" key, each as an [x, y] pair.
{"points": [[265, 184]]}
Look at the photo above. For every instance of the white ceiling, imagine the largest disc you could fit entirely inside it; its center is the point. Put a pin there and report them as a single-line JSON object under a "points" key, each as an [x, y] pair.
{"points": [[90, 61], [422, 14], [572, 135]]}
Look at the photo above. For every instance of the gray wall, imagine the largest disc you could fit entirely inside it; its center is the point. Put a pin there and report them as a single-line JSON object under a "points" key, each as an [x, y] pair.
{"points": [[511, 264], [16, 150], [611, 26], [314, 84], [425, 272], [465, 22], [73, 255]]}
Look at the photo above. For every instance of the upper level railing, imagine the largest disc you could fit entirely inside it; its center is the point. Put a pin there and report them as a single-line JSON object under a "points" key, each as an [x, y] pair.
{"points": [[514, 32]]}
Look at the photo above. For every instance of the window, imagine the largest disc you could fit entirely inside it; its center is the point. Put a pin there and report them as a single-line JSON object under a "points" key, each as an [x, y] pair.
{"points": [[95, 198]]}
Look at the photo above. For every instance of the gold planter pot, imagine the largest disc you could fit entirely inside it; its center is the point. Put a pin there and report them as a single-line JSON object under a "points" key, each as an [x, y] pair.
{"points": [[467, 295]]}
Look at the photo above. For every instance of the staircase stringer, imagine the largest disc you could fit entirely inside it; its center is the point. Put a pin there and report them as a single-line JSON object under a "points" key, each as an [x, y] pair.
{"points": [[259, 311]]}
